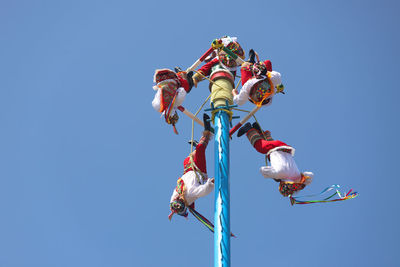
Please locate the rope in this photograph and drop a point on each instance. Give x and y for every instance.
(211, 81)
(194, 167)
(243, 110)
(237, 85)
(202, 105)
(229, 112)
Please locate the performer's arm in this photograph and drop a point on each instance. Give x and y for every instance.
(205, 70)
(204, 189)
(243, 96)
(174, 196)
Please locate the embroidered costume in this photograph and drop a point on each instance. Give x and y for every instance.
(283, 168)
(259, 83)
(171, 90)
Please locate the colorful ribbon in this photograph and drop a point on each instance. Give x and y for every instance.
(167, 113)
(330, 198)
(203, 220)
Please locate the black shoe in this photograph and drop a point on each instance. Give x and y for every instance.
(244, 129)
(206, 120)
(190, 80)
(195, 143)
(257, 127)
(252, 56)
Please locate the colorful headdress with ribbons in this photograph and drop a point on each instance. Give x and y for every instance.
(178, 207)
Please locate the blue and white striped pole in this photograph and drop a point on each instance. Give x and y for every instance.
(222, 232)
(222, 99)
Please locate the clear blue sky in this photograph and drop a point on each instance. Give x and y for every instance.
(87, 166)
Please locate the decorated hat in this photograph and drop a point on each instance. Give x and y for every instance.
(164, 74)
(233, 45)
(260, 91)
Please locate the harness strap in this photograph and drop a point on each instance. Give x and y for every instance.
(180, 189)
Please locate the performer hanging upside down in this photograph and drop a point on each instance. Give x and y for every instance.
(283, 168)
(171, 90)
(194, 183)
(259, 82)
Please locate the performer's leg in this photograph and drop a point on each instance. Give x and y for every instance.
(252, 134)
(265, 134)
(261, 141)
(263, 146)
(199, 156)
(254, 137)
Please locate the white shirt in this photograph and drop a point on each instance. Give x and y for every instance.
(283, 167)
(193, 188)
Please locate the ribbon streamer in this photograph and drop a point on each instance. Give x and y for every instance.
(341, 196)
(203, 220)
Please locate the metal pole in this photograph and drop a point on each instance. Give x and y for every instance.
(222, 232)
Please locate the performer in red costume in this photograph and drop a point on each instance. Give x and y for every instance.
(169, 83)
(259, 82)
(171, 88)
(194, 183)
(283, 168)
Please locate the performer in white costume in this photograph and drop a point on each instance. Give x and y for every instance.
(283, 168)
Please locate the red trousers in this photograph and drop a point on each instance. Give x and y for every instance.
(199, 158)
(264, 146)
